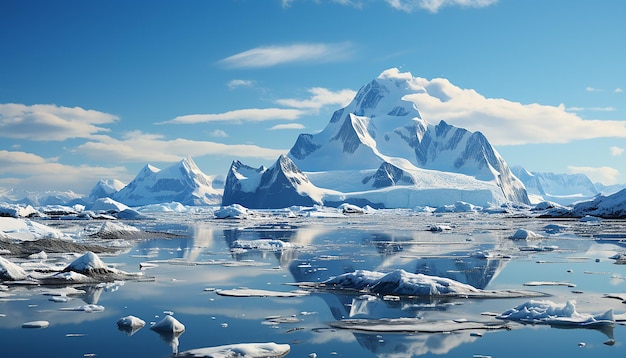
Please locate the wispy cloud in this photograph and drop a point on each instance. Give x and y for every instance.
(286, 126)
(616, 151)
(234, 84)
(44, 122)
(218, 133)
(22, 170)
(618, 90)
(268, 56)
(591, 109)
(593, 89)
(505, 122)
(239, 116)
(604, 175)
(434, 6)
(138, 146)
(321, 97)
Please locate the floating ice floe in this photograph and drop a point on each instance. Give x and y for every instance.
(244, 350)
(350, 209)
(402, 283)
(36, 324)
(262, 244)
(234, 211)
(549, 283)
(523, 234)
(246, 292)
(548, 312)
(416, 325)
(84, 308)
(27, 230)
(10, 271)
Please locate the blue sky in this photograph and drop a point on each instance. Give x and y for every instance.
(97, 89)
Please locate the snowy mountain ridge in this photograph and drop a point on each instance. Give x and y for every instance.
(182, 182)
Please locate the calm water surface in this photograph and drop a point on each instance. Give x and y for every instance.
(189, 268)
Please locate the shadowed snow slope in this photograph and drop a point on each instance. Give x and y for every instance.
(378, 151)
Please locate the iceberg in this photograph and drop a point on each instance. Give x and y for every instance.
(548, 312)
(402, 283)
(10, 271)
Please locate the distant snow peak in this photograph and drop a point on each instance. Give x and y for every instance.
(182, 182)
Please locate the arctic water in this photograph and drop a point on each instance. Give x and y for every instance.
(185, 271)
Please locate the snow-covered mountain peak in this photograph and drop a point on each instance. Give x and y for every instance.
(183, 182)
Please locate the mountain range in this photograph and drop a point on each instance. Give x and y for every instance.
(376, 151)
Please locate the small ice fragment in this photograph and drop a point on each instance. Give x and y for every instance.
(313, 355)
(476, 334)
(168, 324)
(168, 313)
(36, 324)
(581, 344)
(224, 325)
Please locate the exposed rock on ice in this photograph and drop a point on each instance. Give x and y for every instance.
(548, 312)
(10, 271)
(244, 350)
(168, 324)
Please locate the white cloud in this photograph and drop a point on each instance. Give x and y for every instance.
(286, 126)
(218, 133)
(22, 170)
(604, 175)
(145, 147)
(234, 84)
(505, 122)
(618, 90)
(320, 97)
(43, 122)
(435, 5)
(277, 55)
(616, 151)
(239, 115)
